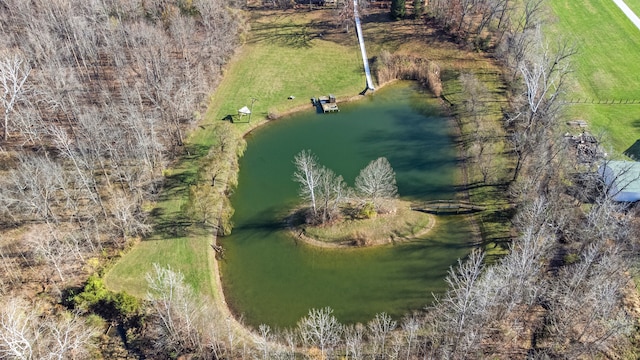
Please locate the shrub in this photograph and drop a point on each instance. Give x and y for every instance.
(389, 67)
(571, 258)
(93, 293)
(368, 211)
(96, 298)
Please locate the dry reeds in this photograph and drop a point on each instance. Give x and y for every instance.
(388, 67)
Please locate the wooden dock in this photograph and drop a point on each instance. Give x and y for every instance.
(326, 103)
(447, 207)
(329, 107)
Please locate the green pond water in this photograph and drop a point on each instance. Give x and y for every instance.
(270, 278)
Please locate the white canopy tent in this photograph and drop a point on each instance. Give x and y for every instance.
(244, 111)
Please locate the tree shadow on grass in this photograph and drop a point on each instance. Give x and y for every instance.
(195, 151)
(168, 218)
(496, 234)
(175, 186)
(171, 228)
(289, 35)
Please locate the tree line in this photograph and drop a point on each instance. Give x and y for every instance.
(97, 97)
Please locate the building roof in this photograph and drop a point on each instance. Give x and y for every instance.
(622, 179)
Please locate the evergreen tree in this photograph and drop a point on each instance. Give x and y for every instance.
(418, 8)
(398, 9)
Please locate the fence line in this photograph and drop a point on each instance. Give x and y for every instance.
(603, 102)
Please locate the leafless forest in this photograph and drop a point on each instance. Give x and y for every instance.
(97, 97)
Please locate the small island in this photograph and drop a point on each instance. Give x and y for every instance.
(393, 227)
(368, 214)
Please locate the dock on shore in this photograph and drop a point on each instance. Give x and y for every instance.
(326, 103)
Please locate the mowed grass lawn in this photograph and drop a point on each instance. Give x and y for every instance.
(287, 55)
(171, 243)
(606, 66)
(284, 56)
(634, 5)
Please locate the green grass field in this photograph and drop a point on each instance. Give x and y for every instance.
(606, 67)
(633, 5)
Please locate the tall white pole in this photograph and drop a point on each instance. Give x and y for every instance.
(365, 59)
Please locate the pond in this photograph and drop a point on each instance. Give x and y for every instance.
(269, 277)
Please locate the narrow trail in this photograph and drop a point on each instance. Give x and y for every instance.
(627, 11)
(365, 59)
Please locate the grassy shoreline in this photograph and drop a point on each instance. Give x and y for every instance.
(404, 224)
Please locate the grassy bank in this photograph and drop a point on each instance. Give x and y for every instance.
(605, 66)
(401, 225)
(483, 149)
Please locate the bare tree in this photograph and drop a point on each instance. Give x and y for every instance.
(482, 137)
(521, 273)
(18, 332)
(345, 14)
(69, 337)
(263, 341)
(50, 246)
(308, 173)
(380, 328)
(320, 329)
(355, 341)
(99, 91)
(410, 326)
(180, 323)
(518, 33)
(459, 313)
(127, 216)
(586, 316)
(544, 74)
(289, 349)
(26, 332)
(463, 18)
(332, 190)
(14, 71)
(473, 92)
